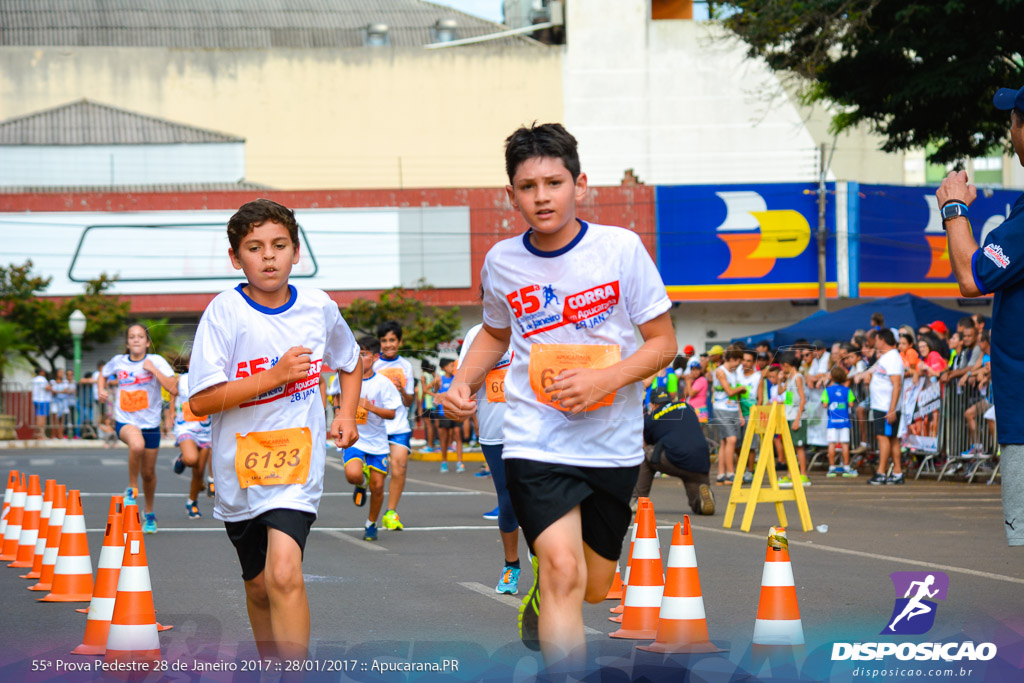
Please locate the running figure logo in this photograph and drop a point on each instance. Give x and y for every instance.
(549, 296)
(914, 612)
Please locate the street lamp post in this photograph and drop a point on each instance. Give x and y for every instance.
(76, 323)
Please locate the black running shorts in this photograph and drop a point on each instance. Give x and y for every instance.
(250, 536)
(542, 493)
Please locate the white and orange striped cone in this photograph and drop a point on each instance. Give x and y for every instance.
(44, 529)
(133, 522)
(133, 635)
(101, 607)
(116, 507)
(778, 628)
(616, 592)
(619, 608)
(29, 525)
(682, 624)
(53, 534)
(12, 534)
(646, 582)
(72, 575)
(12, 479)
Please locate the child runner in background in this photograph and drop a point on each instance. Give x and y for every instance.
(490, 410)
(366, 461)
(255, 369)
(59, 404)
(139, 376)
(426, 389)
(838, 399)
(41, 398)
(194, 438)
(399, 371)
(450, 429)
(567, 295)
(791, 390)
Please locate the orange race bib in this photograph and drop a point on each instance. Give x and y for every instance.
(133, 401)
(396, 375)
(547, 361)
(273, 458)
(186, 412)
(361, 414)
(495, 383)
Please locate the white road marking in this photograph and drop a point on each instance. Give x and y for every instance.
(365, 545)
(111, 462)
(443, 486)
(510, 600)
(41, 462)
(873, 556)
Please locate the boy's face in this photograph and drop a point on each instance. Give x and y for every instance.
(136, 341)
(748, 362)
(544, 192)
(449, 368)
(389, 344)
(266, 256)
(369, 358)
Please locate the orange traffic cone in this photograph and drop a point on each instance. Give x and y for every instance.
(133, 522)
(621, 607)
(12, 534)
(133, 635)
(72, 575)
(615, 592)
(682, 626)
(101, 608)
(646, 582)
(29, 525)
(53, 534)
(116, 507)
(12, 479)
(778, 615)
(44, 528)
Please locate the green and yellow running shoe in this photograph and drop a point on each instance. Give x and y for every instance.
(392, 522)
(529, 612)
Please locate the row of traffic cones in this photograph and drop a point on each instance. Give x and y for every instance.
(669, 608)
(45, 532)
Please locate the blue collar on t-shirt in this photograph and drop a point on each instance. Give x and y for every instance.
(264, 309)
(557, 252)
(366, 379)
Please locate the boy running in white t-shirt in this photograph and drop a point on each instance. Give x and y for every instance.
(193, 436)
(366, 461)
(399, 371)
(566, 294)
(255, 369)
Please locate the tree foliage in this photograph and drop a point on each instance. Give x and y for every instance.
(921, 74)
(164, 340)
(44, 321)
(424, 327)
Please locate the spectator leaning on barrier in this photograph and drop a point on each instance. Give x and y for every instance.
(997, 268)
(970, 354)
(819, 364)
(886, 390)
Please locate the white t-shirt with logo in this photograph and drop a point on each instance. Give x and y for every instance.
(888, 366)
(490, 416)
(720, 399)
(142, 410)
(40, 389)
(399, 370)
(201, 428)
(373, 436)
(593, 291)
(238, 337)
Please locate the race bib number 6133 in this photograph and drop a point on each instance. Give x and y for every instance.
(273, 458)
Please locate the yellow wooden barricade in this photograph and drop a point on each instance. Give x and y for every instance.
(769, 422)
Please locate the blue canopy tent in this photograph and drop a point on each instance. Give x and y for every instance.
(904, 309)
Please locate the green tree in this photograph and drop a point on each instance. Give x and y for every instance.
(921, 74)
(12, 349)
(44, 320)
(423, 327)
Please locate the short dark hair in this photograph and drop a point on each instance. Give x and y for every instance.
(788, 358)
(389, 326)
(877, 319)
(256, 213)
(368, 343)
(1017, 115)
(732, 353)
(886, 335)
(445, 362)
(838, 374)
(978, 318)
(966, 322)
(986, 335)
(545, 140)
(426, 365)
(750, 352)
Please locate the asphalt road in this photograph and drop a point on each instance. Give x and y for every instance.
(426, 594)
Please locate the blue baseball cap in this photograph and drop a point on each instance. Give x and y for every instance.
(1008, 98)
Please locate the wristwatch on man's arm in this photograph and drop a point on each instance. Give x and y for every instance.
(952, 209)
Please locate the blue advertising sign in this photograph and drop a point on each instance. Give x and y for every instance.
(902, 244)
(743, 241)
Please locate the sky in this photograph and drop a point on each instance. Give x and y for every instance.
(486, 9)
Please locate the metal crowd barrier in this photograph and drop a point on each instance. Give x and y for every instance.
(80, 420)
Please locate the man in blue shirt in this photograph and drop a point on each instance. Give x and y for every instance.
(997, 267)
